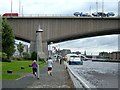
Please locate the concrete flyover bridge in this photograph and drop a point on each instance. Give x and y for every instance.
(62, 28)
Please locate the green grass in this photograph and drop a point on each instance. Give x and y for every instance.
(15, 66)
(10, 76)
(0, 70)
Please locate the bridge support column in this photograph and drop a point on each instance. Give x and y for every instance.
(44, 45)
(32, 46)
(45, 49)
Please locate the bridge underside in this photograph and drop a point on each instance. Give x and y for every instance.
(58, 29)
(22, 39)
(93, 34)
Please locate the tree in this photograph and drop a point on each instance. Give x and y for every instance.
(8, 39)
(20, 48)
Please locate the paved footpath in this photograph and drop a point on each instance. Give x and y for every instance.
(59, 78)
(20, 83)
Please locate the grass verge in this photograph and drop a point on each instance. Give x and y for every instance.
(15, 66)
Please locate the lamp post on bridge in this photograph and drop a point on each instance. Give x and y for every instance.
(38, 48)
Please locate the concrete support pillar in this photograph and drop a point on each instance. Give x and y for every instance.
(39, 44)
(44, 48)
(32, 46)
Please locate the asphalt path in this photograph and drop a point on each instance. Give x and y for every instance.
(20, 83)
(59, 79)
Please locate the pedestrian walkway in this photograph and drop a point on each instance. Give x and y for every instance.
(59, 79)
(19, 83)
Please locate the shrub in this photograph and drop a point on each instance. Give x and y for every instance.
(26, 55)
(42, 60)
(4, 57)
(34, 56)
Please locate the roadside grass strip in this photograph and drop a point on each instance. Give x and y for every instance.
(0, 70)
(15, 67)
(10, 76)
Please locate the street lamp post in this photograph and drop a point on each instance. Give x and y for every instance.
(51, 48)
(97, 7)
(102, 8)
(39, 50)
(11, 8)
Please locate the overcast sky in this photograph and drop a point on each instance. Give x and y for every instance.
(66, 7)
(92, 45)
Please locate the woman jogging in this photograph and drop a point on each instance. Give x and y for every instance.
(34, 67)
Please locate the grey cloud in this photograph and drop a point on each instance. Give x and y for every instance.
(104, 41)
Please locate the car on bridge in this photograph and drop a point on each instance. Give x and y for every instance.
(110, 14)
(10, 15)
(73, 59)
(81, 14)
(76, 14)
(101, 14)
(83, 58)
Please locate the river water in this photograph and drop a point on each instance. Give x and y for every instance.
(99, 74)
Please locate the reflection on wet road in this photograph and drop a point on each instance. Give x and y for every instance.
(100, 74)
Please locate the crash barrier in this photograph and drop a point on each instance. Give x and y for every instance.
(82, 82)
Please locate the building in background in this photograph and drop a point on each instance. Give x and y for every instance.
(77, 52)
(64, 52)
(115, 55)
(111, 56)
(26, 49)
(17, 54)
(104, 55)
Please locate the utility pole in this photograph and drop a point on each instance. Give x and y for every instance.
(22, 10)
(97, 7)
(11, 7)
(102, 8)
(90, 10)
(119, 9)
(19, 6)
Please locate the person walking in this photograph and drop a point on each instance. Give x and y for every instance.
(50, 65)
(34, 68)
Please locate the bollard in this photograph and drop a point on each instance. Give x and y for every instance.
(30, 65)
(22, 68)
(9, 71)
